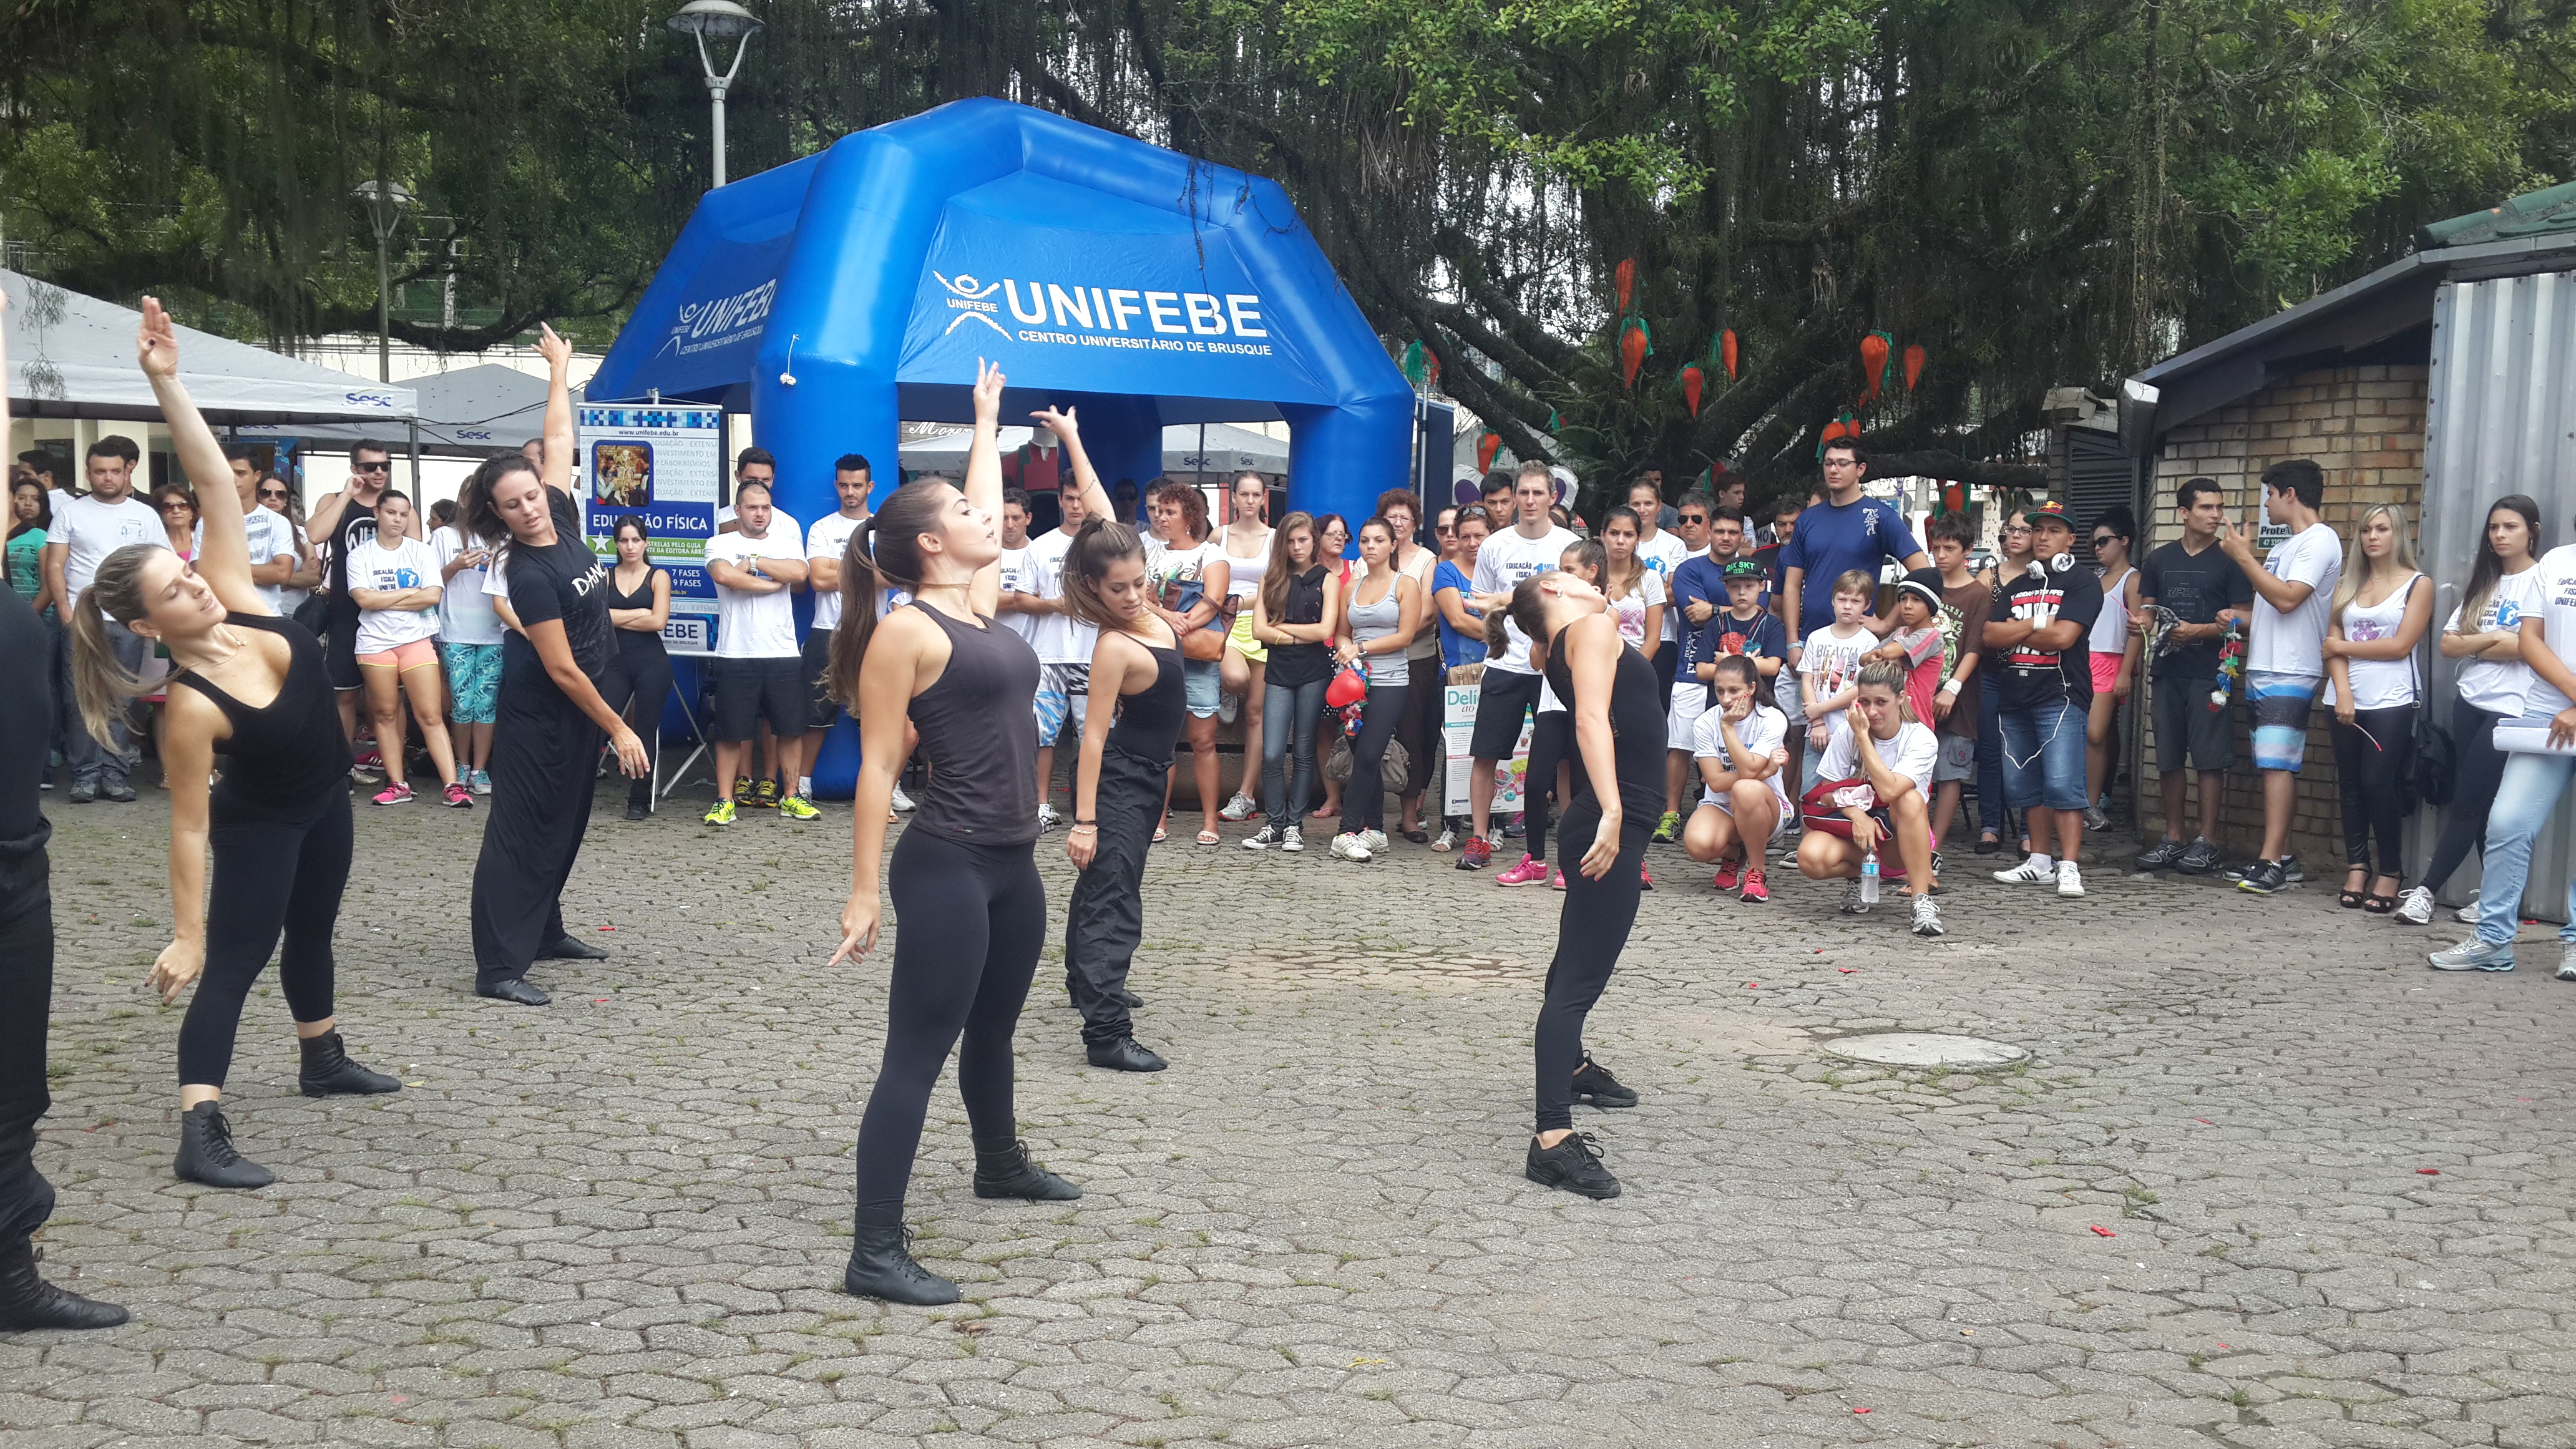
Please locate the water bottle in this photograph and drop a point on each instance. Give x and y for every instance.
(1869, 879)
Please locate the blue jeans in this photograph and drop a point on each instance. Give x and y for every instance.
(1992, 814)
(2532, 785)
(2044, 756)
(1289, 713)
(91, 762)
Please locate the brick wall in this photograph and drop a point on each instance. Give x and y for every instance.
(2365, 427)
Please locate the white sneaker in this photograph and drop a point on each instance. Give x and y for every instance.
(1228, 706)
(2415, 906)
(1047, 818)
(1238, 809)
(1853, 905)
(902, 801)
(1927, 917)
(2567, 965)
(2467, 915)
(1350, 847)
(2070, 881)
(1446, 841)
(2038, 870)
(1375, 840)
(1291, 842)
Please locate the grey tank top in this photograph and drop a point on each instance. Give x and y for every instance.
(975, 737)
(1376, 621)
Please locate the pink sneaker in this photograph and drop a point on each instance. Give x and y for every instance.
(1528, 872)
(396, 793)
(1728, 874)
(460, 798)
(1756, 890)
(1645, 878)
(1559, 882)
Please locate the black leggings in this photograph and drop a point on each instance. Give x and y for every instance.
(545, 759)
(969, 920)
(270, 875)
(2371, 756)
(1590, 934)
(1667, 659)
(1106, 917)
(642, 676)
(1364, 795)
(26, 1005)
(1420, 729)
(2473, 792)
(1288, 716)
(1550, 737)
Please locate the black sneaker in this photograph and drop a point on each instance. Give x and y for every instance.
(2200, 858)
(2163, 855)
(1573, 1164)
(1594, 1084)
(2263, 877)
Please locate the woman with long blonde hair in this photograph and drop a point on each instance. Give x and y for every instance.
(2382, 607)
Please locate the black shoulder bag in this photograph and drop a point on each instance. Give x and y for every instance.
(2437, 761)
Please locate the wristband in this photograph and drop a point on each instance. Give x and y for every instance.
(1082, 824)
(1950, 687)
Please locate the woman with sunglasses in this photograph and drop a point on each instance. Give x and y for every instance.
(2115, 657)
(178, 509)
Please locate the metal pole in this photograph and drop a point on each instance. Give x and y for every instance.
(716, 93)
(384, 302)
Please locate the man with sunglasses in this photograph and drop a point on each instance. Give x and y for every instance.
(343, 522)
(272, 538)
(1697, 589)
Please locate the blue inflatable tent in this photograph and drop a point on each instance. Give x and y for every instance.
(837, 296)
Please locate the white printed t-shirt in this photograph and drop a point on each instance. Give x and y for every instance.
(753, 625)
(1765, 732)
(2553, 592)
(2294, 643)
(90, 530)
(1060, 638)
(1910, 754)
(1019, 577)
(408, 564)
(1505, 560)
(464, 610)
(2498, 686)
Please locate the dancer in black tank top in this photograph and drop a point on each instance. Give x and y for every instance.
(1118, 789)
(1610, 691)
(964, 880)
(251, 687)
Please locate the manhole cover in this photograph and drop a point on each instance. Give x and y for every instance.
(1927, 1049)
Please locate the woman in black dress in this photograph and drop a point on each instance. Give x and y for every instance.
(964, 879)
(251, 687)
(1610, 690)
(639, 604)
(550, 718)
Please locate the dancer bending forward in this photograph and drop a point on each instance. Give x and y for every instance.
(964, 879)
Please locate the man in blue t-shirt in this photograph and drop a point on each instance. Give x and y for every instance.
(1843, 533)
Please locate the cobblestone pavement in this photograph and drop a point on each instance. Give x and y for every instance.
(2205, 1212)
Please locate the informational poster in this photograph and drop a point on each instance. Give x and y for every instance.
(663, 465)
(1457, 730)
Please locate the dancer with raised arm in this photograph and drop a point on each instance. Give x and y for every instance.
(1618, 794)
(252, 687)
(964, 879)
(550, 719)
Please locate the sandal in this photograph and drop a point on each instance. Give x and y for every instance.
(2380, 905)
(1161, 835)
(1209, 837)
(2351, 896)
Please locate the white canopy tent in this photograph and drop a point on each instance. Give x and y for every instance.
(471, 412)
(72, 356)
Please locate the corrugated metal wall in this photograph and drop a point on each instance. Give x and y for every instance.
(2501, 419)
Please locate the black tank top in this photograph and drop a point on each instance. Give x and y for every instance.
(975, 736)
(1636, 731)
(1295, 664)
(1149, 720)
(285, 757)
(632, 642)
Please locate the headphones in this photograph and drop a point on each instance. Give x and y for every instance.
(2058, 565)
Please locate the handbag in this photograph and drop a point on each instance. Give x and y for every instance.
(2433, 776)
(1204, 645)
(1392, 767)
(1821, 808)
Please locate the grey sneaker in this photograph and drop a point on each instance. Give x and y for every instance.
(2474, 954)
(2415, 906)
(2262, 878)
(1048, 819)
(2096, 818)
(1238, 809)
(2199, 858)
(2163, 855)
(1853, 905)
(2289, 865)
(2567, 965)
(2467, 915)
(1927, 917)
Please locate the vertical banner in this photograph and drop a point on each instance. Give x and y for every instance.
(662, 465)
(1457, 731)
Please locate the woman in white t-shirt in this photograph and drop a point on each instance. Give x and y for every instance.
(2382, 607)
(1241, 672)
(2485, 634)
(1872, 791)
(469, 645)
(396, 588)
(1636, 592)
(1191, 580)
(1742, 748)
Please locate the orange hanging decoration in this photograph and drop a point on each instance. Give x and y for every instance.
(1693, 380)
(1873, 364)
(1431, 361)
(1726, 345)
(1954, 495)
(1626, 278)
(1913, 365)
(1635, 346)
(1486, 447)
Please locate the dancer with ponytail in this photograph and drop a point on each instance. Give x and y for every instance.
(1137, 681)
(1618, 795)
(964, 880)
(550, 718)
(252, 687)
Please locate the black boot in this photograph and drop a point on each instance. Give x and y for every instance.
(27, 1301)
(1011, 1173)
(571, 948)
(881, 1267)
(328, 1071)
(206, 1151)
(1124, 1055)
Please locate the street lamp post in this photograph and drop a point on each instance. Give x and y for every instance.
(385, 201)
(722, 19)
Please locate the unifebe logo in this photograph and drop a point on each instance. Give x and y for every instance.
(971, 303)
(706, 326)
(1075, 314)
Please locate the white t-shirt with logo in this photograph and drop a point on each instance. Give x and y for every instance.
(753, 625)
(2553, 592)
(1060, 638)
(1019, 576)
(408, 564)
(1765, 732)
(2294, 643)
(828, 538)
(90, 530)
(464, 610)
(270, 538)
(1506, 559)
(2498, 686)
(1832, 665)
(1910, 754)
(1664, 553)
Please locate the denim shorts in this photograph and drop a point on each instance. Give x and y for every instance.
(1202, 680)
(2044, 756)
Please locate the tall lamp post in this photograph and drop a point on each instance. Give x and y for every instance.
(722, 19)
(385, 201)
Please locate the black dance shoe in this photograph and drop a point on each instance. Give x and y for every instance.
(1595, 1085)
(570, 948)
(1012, 1173)
(328, 1071)
(206, 1151)
(638, 810)
(881, 1266)
(27, 1301)
(1129, 999)
(1573, 1164)
(1124, 1055)
(515, 989)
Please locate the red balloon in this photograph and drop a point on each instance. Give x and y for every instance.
(1348, 688)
